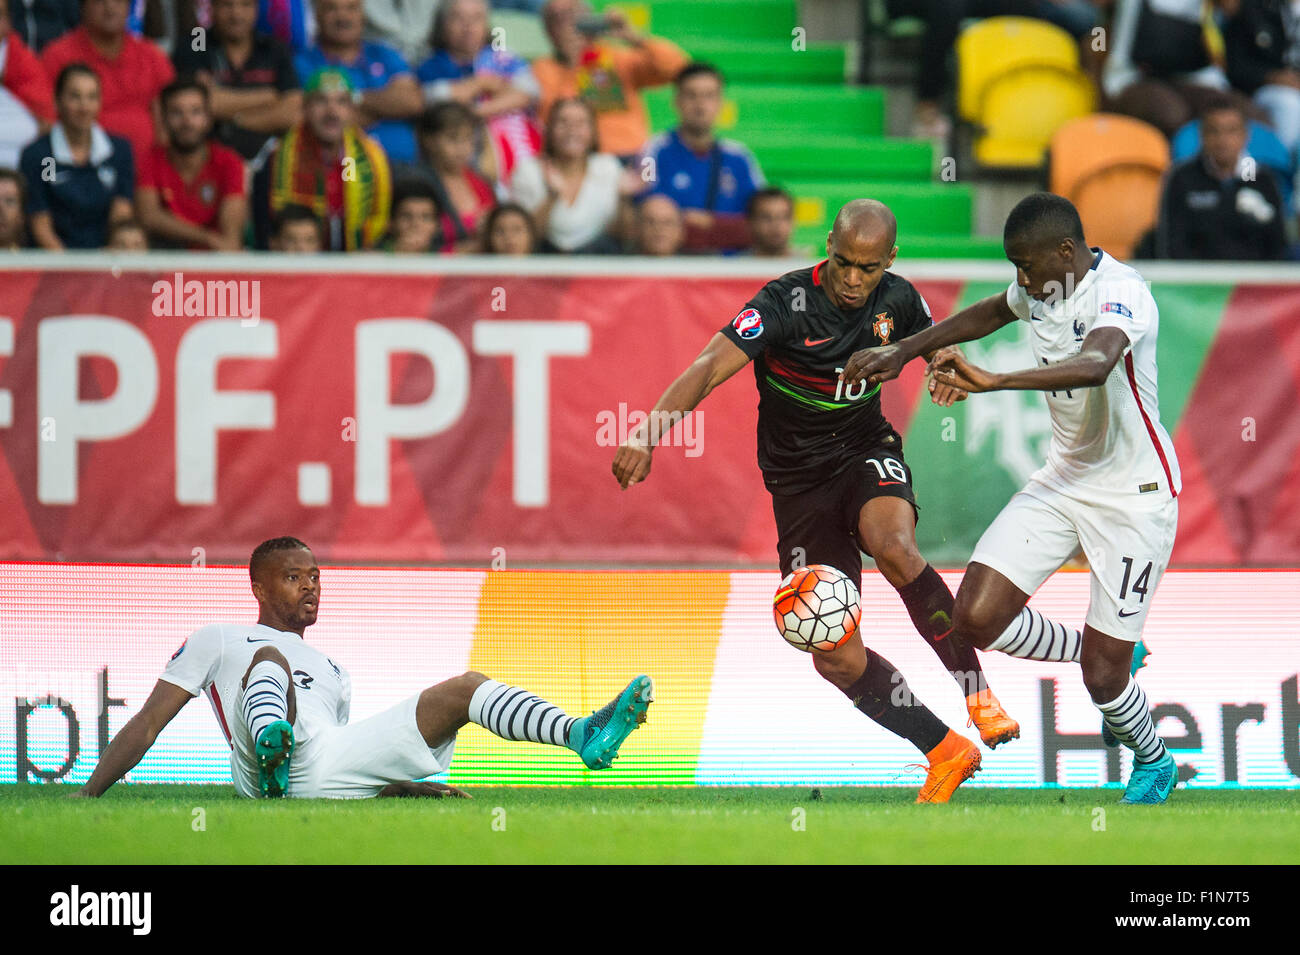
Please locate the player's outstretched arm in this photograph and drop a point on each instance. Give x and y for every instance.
(1100, 351)
(720, 359)
(881, 364)
(134, 739)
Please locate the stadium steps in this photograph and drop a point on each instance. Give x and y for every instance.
(785, 108)
(820, 138)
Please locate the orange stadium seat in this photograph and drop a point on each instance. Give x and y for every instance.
(1018, 81)
(1110, 167)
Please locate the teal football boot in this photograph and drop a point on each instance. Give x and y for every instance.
(1151, 783)
(596, 738)
(274, 751)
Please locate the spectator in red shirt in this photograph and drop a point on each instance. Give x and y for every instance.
(191, 192)
(131, 71)
(26, 100)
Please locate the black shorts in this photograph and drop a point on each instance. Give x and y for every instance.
(819, 526)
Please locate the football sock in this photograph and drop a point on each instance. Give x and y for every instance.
(1129, 718)
(266, 696)
(516, 714)
(929, 603)
(1032, 636)
(882, 694)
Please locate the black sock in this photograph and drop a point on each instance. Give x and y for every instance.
(882, 694)
(929, 603)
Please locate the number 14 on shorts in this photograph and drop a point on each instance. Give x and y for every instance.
(1138, 585)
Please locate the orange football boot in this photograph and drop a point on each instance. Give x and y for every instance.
(988, 716)
(952, 762)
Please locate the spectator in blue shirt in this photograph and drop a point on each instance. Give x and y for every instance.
(387, 96)
(79, 178)
(710, 179)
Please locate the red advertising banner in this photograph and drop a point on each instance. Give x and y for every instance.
(391, 417)
(158, 414)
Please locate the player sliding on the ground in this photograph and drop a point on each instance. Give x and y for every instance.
(835, 469)
(1111, 481)
(283, 705)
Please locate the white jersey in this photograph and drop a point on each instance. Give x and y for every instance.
(215, 658)
(1108, 445)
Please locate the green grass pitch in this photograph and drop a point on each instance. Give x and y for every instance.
(158, 824)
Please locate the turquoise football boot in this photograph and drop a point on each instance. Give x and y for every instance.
(1151, 783)
(274, 751)
(1140, 654)
(596, 738)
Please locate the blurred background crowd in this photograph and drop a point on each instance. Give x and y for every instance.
(457, 126)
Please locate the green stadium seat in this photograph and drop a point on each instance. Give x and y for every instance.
(759, 61)
(787, 109)
(811, 156)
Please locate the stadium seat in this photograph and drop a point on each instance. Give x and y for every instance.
(784, 108)
(1110, 167)
(1018, 81)
(1262, 144)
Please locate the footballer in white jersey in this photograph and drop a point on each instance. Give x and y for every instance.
(284, 707)
(1110, 483)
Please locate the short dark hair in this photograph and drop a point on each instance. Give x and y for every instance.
(406, 189)
(185, 84)
(698, 68)
(71, 70)
(1043, 217)
(444, 116)
(121, 225)
(263, 551)
(1222, 103)
(762, 195)
(294, 212)
(508, 208)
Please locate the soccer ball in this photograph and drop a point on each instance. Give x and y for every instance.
(816, 608)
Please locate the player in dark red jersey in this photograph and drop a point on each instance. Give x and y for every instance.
(835, 468)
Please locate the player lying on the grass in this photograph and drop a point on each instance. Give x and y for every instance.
(1111, 481)
(283, 705)
(835, 468)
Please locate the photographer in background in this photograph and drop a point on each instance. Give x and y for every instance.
(608, 75)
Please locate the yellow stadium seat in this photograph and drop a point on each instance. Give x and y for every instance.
(1110, 167)
(1018, 81)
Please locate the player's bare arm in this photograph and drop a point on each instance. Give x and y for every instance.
(881, 364)
(136, 737)
(720, 360)
(1088, 369)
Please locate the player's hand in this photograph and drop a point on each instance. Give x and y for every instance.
(949, 367)
(873, 364)
(631, 463)
(945, 395)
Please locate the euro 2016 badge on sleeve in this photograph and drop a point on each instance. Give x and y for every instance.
(748, 324)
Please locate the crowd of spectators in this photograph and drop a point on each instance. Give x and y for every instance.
(404, 126)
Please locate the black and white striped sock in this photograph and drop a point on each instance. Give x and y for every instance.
(1129, 718)
(516, 714)
(266, 696)
(1032, 636)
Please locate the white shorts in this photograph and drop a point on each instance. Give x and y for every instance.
(356, 760)
(1127, 549)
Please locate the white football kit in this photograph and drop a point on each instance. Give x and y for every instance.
(332, 758)
(1111, 481)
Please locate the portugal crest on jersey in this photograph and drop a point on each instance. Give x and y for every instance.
(883, 326)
